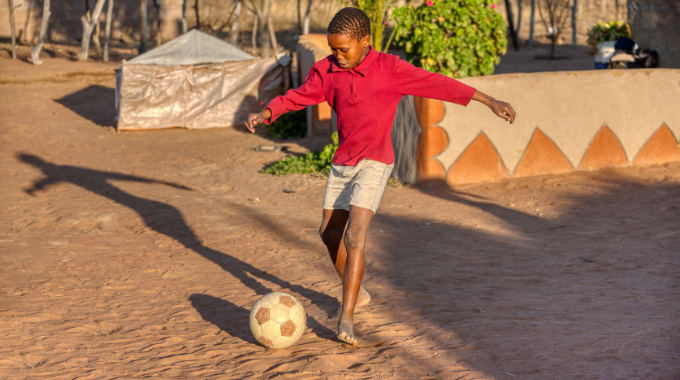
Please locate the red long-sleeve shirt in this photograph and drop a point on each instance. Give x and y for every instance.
(365, 99)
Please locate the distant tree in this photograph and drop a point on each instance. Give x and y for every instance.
(12, 28)
(157, 7)
(88, 27)
(531, 23)
(262, 10)
(142, 45)
(305, 26)
(35, 50)
(235, 23)
(554, 15)
(107, 30)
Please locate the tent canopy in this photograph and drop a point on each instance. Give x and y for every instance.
(196, 81)
(192, 48)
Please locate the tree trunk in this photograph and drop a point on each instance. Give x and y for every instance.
(88, 26)
(158, 22)
(272, 35)
(184, 16)
(519, 16)
(573, 22)
(254, 34)
(12, 29)
(235, 24)
(513, 34)
(198, 19)
(107, 30)
(531, 25)
(305, 27)
(95, 37)
(35, 51)
(299, 14)
(262, 10)
(142, 46)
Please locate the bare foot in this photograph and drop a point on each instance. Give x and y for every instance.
(363, 299)
(346, 331)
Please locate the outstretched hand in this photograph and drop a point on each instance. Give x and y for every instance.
(501, 109)
(255, 119)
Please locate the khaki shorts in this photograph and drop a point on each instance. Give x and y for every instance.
(361, 185)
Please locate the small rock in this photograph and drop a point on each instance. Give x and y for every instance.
(288, 191)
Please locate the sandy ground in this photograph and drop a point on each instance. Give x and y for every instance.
(139, 255)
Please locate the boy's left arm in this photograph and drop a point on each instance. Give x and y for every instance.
(416, 81)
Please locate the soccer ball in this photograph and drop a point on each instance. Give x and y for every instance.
(277, 320)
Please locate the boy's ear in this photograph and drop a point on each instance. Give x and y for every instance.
(365, 41)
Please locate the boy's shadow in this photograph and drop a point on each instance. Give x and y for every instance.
(168, 221)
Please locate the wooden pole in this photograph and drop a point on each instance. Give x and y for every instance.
(35, 50)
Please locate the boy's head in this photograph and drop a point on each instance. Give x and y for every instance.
(348, 36)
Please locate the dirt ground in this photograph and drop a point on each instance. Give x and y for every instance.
(139, 255)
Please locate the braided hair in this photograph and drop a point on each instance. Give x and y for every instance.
(351, 22)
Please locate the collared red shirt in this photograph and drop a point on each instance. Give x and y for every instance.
(365, 99)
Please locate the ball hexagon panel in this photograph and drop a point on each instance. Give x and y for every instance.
(262, 315)
(287, 300)
(277, 320)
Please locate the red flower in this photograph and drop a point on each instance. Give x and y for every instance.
(429, 3)
(493, 6)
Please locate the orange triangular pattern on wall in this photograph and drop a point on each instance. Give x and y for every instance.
(542, 156)
(604, 151)
(478, 163)
(661, 147)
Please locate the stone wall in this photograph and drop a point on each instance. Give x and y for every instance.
(656, 25)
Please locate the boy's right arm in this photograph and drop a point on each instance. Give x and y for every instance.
(310, 93)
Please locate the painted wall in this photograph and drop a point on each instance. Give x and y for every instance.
(566, 121)
(312, 48)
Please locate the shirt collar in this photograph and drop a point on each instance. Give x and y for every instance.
(363, 67)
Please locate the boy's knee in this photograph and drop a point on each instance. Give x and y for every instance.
(352, 238)
(330, 237)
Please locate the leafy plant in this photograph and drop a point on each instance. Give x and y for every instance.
(377, 13)
(315, 162)
(606, 31)
(291, 125)
(457, 38)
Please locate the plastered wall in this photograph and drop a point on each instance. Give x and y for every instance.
(566, 121)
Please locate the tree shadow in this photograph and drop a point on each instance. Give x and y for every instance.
(167, 220)
(95, 103)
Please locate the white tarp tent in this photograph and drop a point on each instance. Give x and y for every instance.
(196, 81)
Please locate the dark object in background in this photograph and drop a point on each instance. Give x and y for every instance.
(629, 56)
(292, 125)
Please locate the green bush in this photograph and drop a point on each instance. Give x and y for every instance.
(606, 31)
(457, 38)
(291, 125)
(315, 162)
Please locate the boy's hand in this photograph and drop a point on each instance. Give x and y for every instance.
(256, 119)
(501, 109)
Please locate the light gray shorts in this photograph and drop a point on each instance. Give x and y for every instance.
(361, 185)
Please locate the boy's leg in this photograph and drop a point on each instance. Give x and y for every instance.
(355, 243)
(332, 233)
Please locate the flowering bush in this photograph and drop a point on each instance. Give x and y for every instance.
(457, 38)
(606, 31)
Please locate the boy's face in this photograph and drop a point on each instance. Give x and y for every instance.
(348, 51)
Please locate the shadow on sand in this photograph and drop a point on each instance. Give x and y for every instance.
(168, 220)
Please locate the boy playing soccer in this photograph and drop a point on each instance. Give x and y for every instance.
(364, 88)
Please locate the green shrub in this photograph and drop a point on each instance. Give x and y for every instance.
(291, 125)
(606, 31)
(315, 162)
(457, 38)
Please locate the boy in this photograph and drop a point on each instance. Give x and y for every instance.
(364, 88)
